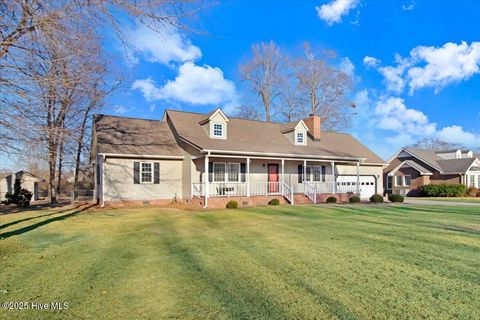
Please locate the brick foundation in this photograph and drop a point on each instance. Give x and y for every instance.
(341, 197)
(195, 203)
(221, 202)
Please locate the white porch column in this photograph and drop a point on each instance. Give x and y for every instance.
(304, 178)
(247, 178)
(334, 184)
(283, 175)
(206, 181)
(358, 178)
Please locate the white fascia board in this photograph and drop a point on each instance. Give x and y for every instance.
(140, 156)
(285, 155)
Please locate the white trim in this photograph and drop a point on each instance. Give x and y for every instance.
(140, 156)
(405, 150)
(222, 126)
(219, 110)
(297, 135)
(102, 201)
(297, 157)
(303, 124)
(392, 172)
(141, 172)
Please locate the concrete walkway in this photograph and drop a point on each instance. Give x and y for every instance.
(440, 202)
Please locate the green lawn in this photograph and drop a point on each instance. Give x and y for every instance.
(455, 199)
(325, 262)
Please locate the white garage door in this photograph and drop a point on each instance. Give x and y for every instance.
(367, 184)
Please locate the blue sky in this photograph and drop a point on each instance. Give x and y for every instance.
(416, 63)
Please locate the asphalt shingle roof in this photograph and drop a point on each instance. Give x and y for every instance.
(267, 137)
(432, 158)
(120, 135)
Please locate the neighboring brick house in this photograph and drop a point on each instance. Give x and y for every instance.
(411, 168)
(209, 159)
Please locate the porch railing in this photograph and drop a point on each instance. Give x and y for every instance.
(310, 190)
(287, 192)
(264, 188)
(220, 189)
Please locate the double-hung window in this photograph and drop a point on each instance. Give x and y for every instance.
(146, 172)
(315, 173)
(226, 172)
(219, 172)
(300, 138)
(407, 180)
(218, 130)
(398, 181)
(233, 172)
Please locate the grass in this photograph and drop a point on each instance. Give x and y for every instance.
(325, 262)
(453, 199)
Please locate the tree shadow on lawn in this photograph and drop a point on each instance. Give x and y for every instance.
(228, 289)
(3, 226)
(34, 226)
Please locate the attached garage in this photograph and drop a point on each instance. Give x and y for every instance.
(368, 184)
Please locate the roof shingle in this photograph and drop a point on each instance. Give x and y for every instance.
(267, 137)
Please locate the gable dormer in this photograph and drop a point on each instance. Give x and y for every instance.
(216, 124)
(450, 154)
(296, 133)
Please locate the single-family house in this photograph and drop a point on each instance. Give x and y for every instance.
(411, 168)
(28, 181)
(209, 159)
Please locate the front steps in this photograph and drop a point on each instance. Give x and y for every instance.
(300, 198)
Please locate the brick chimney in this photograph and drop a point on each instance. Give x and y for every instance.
(313, 125)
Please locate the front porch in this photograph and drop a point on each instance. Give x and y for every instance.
(239, 177)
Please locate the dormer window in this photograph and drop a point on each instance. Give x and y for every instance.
(300, 138)
(218, 130)
(215, 124)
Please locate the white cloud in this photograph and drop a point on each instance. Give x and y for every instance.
(409, 7)
(165, 45)
(371, 62)
(386, 124)
(434, 67)
(393, 114)
(199, 85)
(445, 65)
(332, 12)
(347, 67)
(456, 134)
(120, 109)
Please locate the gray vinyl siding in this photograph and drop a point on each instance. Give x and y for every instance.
(118, 180)
(186, 177)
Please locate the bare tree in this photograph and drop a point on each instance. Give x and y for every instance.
(264, 74)
(53, 73)
(19, 18)
(325, 86)
(436, 144)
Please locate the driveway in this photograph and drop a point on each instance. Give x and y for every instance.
(439, 202)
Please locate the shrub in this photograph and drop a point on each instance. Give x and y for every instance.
(395, 198)
(355, 199)
(20, 197)
(274, 202)
(232, 204)
(376, 198)
(443, 190)
(331, 200)
(472, 192)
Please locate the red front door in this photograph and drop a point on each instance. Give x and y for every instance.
(273, 186)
